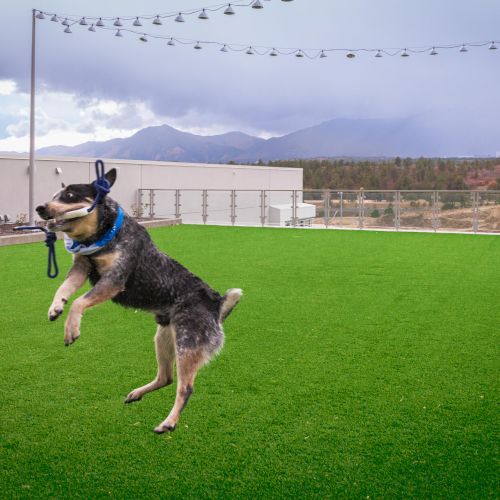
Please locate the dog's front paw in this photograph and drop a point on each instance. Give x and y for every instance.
(55, 310)
(72, 328)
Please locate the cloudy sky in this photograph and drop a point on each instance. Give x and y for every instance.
(95, 86)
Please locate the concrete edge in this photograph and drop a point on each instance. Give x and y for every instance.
(18, 239)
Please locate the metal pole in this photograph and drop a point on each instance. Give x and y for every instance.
(326, 208)
(263, 208)
(204, 206)
(341, 206)
(31, 204)
(233, 206)
(177, 203)
(151, 203)
(475, 211)
(294, 207)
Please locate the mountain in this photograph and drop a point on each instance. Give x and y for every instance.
(163, 143)
(412, 137)
(344, 137)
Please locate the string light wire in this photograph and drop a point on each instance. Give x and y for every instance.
(251, 49)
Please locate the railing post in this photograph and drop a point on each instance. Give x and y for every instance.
(263, 196)
(233, 206)
(294, 208)
(397, 214)
(177, 203)
(151, 203)
(475, 211)
(326, 197)
(139, 203)
(341, 208)
(204, 206)
(435, 210)
(361, 208)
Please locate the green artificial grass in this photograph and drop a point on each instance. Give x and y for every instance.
(357, 365)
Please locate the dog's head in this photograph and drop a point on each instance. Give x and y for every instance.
(70, 198)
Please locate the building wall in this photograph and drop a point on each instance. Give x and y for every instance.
(132, 175)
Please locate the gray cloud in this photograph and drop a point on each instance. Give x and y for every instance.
(277, 95)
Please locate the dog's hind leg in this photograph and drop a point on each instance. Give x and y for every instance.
(189, 361)
(165, 357)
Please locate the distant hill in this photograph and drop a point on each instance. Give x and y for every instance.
(334, 138)
(163, 143)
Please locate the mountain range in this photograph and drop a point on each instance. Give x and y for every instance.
(335, 138)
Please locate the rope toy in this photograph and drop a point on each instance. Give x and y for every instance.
(50, 240)
(102, 187)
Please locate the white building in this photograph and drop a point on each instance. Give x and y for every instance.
(146, 175)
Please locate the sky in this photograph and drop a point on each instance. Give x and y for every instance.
(95, 86)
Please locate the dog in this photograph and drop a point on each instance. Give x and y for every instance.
(122, 263)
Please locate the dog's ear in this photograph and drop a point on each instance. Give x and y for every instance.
(111, 176)
(63, 185)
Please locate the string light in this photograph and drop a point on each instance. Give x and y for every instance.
(157, 18)
(321, 53)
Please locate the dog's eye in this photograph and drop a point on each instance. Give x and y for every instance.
(70, 196)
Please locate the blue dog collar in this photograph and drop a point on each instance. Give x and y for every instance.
(80, 249)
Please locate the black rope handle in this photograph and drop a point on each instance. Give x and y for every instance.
(50, 240)
(101, 184)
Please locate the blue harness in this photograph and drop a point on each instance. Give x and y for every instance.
(80, 249)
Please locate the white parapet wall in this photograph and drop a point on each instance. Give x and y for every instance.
(132, 176)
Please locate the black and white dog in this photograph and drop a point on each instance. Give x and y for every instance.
(118, 257)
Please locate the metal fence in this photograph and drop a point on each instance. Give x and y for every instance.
(463, 211)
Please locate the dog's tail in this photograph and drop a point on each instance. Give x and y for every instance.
(229, 302)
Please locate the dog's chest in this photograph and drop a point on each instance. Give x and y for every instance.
(103, 263)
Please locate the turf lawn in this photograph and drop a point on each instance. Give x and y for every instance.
(358, 364)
